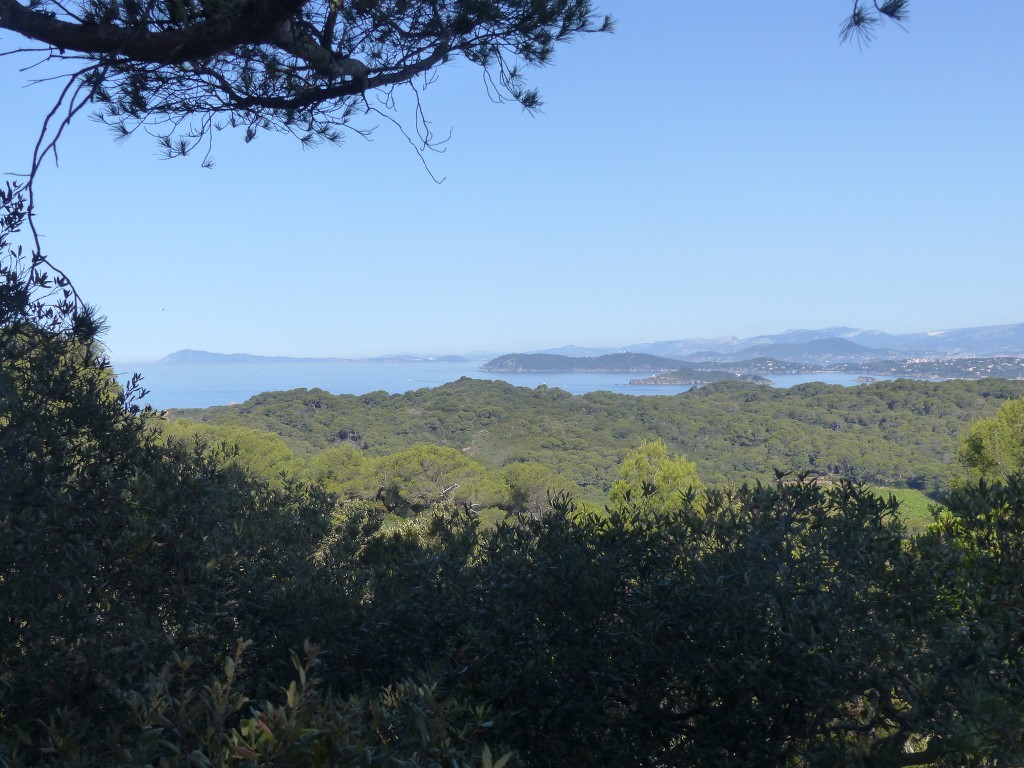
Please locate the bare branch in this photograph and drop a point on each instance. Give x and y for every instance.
(76, 94)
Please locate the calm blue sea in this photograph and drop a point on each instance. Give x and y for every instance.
(200, 386)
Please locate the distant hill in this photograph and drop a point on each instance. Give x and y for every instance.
(828, 353)
(766, 366)
(729, 345)
(837, 353)
(698, 378)
(571, 350)
(665, 370)
(977, 342)
(620, 362)
(824, 346)
(818, 351)
(982, 341)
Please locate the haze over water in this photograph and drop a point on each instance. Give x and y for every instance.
(201, 386)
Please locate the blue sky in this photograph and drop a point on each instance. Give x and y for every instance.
(708, 170)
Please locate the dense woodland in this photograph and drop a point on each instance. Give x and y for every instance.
(892, 434)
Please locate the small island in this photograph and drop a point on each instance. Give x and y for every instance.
(620, 362)
(663, 370)
(695, 378)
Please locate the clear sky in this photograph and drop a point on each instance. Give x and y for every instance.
(708, 170)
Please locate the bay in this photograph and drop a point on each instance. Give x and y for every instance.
(201, 386)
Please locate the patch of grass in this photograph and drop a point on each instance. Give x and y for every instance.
(915, 507)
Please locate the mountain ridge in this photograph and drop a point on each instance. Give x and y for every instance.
(972, 341)
(977, 341)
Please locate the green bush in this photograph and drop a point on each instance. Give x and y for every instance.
(130, 568)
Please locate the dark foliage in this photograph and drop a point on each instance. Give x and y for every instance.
(129, 571)
(184, 68)
(784, 625)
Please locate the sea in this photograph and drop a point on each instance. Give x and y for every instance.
(174, 385)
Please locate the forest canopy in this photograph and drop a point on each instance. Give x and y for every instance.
(889, 433)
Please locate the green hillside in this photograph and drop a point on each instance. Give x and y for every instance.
(893, 433)
(620, 362)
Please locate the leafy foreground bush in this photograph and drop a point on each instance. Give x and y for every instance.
(128, 571)
(161, 608)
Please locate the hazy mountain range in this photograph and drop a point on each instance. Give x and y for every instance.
(825, 345)
(840, 343)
